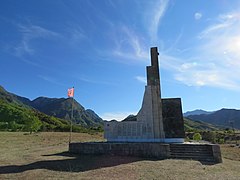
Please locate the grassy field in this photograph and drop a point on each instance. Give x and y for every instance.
(44, 156)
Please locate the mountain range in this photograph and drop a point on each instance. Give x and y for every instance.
(196, 112)
(55, 114)
(57, 107)
(223, 117)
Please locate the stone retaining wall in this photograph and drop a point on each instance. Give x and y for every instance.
(156, 150)
(201, 152)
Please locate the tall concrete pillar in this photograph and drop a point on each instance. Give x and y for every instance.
(151, 110)
(153, 80)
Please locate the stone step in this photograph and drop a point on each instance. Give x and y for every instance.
(197, 146)
(191, 154)
(195, 152)
(192, 157)
(189, 151)
(192, 147)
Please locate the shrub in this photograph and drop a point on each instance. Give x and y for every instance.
(197, 137)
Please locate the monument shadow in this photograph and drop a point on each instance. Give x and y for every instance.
(78, 163)
(74, 163)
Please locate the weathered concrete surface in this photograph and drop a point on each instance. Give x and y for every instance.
(173, 118)
(151, 150)
(217, 153)
(136, 129)
(148, 126)
(201, 152)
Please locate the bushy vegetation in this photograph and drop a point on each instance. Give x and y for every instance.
(209, 132)
(14, 117)
(17, 118)
(217, 136)
(197, 137)
(191, 126)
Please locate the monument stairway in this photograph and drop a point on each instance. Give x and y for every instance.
(199, 152)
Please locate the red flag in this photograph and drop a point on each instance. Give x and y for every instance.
(71, 92)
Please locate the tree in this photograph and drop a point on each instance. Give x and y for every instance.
(197, 137)
(32, 124)
(209, 136)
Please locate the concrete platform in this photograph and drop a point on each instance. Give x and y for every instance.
(156, 150)
(202, 152)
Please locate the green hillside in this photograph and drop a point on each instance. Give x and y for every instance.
(190, 125)
(52, 114)
(14, 117)
(62, 108)
(57, 107)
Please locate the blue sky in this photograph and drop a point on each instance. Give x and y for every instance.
(101, 47)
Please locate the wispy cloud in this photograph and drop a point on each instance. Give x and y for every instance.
(29, 33)
(214, 62)
(76, 34)
(51, 80)
(116, 115)
(88, 80)
(141, 79)
(173, 45)
(129, 45)
(213, 29)
(194, 74)
(134, 46)
(157, 14)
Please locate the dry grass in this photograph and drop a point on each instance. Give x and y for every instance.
(43, 156)
(230, 151)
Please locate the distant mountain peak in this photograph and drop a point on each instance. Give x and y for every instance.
(58, 107)
(196, 112)
(221, 117)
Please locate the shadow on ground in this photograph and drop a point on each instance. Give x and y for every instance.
(74, 163)
(71, 163)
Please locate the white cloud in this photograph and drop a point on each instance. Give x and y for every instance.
(29, 33)
(141, 79)
(213, 29)
(215, 62)
(193, 74)
(157, 14)
(198, 15)
(221, 41)
(116, 115)
(129, 45)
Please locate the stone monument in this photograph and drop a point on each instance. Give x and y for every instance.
(157, 117)
(157, 131)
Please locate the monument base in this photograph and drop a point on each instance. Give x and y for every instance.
(147, 149)
(202, 152)
(165, 140)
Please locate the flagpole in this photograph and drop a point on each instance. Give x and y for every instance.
(71, 126)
